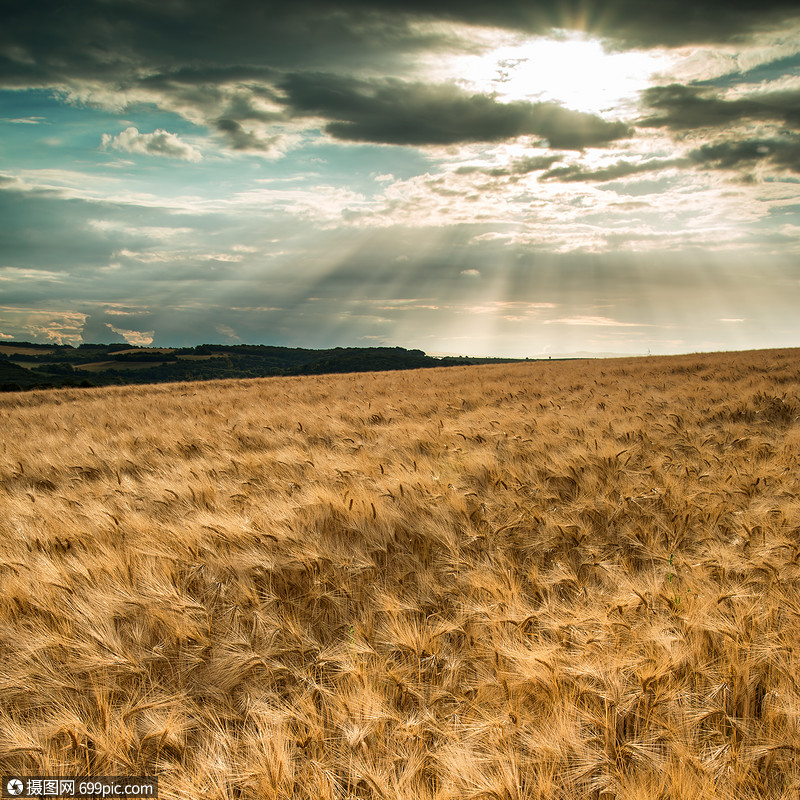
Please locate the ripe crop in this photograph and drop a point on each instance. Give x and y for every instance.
(537, 580)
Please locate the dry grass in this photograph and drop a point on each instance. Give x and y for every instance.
(522, 581)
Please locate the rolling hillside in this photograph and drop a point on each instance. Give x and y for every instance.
(24, 365)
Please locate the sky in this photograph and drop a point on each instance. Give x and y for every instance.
(493, 179)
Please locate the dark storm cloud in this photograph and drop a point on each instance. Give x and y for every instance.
(394, 112)
(209, 89)
(621, 169)
(222, 60)
(520, 166)
(732, 155)
(239, 138)
(781, 152)
(86, 34)
(216, 61)
(523, 166)
(229, 99)
(682, 107)
(207, 75)
(49, 41)
(658, 22)
(694, 107)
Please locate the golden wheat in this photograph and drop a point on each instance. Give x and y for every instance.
(540, 580)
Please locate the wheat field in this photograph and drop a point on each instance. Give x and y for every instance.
(539, 580)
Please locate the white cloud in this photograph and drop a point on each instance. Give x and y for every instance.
(593, 321)
(158, 143)
(514, 307)
(152, 256)
(61, 327)
(228, 332)
(166, 256)
(23, 274)
(148, 231)
(324, 205)
(221, 257)
(693, 63)
(136, 338)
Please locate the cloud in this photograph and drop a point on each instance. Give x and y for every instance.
(390, 111)
(781, 152)
(25, 120)
(117, 227)
(511, 309)
(135, 338)
(43, 325)
(88, 37)
(689, 107)
(658, 22)
(727, 124)
(620, 169)
(13, 274)
(523, 166)
(158, 143)
(184, 254)
(519, 166)
(245, 72)
(228, 332)
(240, 138)
(601, 322)
(58, 45)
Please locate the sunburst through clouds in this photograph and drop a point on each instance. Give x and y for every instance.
(623, 179)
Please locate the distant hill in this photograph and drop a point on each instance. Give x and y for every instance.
(26, 365)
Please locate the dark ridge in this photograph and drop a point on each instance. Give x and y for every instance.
(55, 366)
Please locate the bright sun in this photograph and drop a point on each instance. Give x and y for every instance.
(574, 71)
